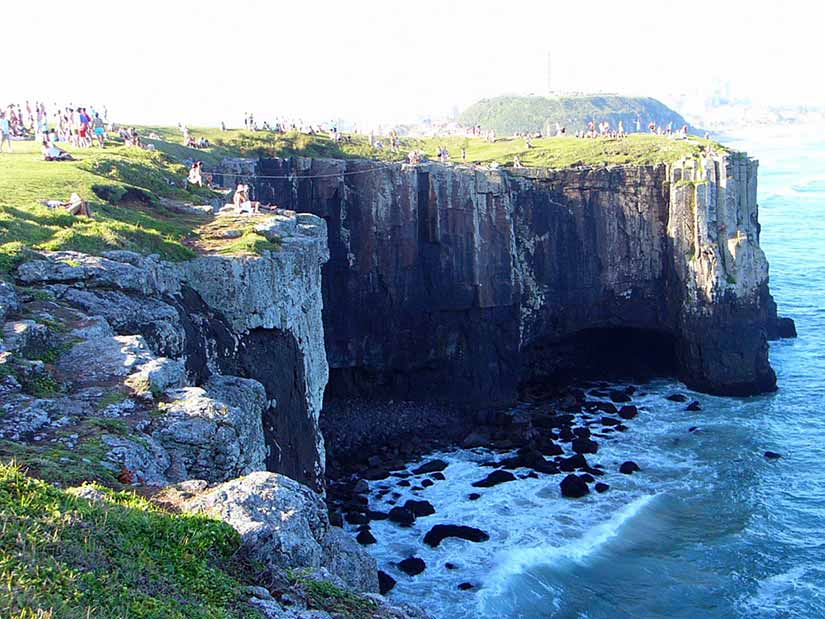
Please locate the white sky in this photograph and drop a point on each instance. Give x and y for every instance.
(204, 61)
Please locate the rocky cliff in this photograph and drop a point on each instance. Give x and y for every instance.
(463, 284)
(228, 353)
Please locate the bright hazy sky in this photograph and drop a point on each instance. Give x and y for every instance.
(204, 61)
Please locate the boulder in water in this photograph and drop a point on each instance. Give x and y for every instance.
(466, 586)
(619, 396)
(694, 406)
(495, 478)
(677, 397)
(772, 455)
(412, 566)
(402, 516)
(584, 446)
(629, 467)
(420, 508)
(628, 412)
(432, 466)
(601, 487)
(441, 531)
(474, 496)
(365, 538)
(573, 487)
(385, 583)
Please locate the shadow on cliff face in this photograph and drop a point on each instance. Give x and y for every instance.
(612, 353)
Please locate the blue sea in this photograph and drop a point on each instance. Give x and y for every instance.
(709, 528)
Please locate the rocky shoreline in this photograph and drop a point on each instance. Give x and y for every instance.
(555, 439)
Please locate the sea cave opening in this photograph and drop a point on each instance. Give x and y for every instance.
(602, 353)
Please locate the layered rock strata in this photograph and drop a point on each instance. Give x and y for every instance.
(464, 284)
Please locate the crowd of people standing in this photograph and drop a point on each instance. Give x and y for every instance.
(79, 125)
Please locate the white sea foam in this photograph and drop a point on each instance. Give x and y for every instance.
(518, 561)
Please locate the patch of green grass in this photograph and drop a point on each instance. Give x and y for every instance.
(41, 385)
(113, 397)
(70, 558)
(56, 463)
(323, 595)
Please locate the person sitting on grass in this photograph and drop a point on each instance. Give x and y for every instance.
(242, 202)
(75, 206)
(54, 153)
(194, 177)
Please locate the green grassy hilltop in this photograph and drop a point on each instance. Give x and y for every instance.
(127, 187)
(511, 114)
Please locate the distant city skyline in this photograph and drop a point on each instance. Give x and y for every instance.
(377, 62)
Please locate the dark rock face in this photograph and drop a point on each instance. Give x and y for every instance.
(574, 487)
(448, 283)
(442, 531)
(412, 566)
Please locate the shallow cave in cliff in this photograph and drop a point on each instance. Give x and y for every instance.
(608, 353)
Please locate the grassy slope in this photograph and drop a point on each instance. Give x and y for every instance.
(149, 228)
(510, 114)
(66, 557)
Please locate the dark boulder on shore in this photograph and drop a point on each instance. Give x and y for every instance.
(619, 396)
(584, 446)
(442, 531)
(433, 466)
(356, 518)
(365, 538)
(628, 412)
(420, 508)
(412, 566)
(629, 467)
(385, 583)
(402, 516)
(772, 455)
(573, 487)
(439, 476)
(495, 478)
(568, 465)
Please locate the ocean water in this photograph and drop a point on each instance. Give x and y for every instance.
(709, 528)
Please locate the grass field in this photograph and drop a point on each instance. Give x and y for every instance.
(62, 556)
(133, 180)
